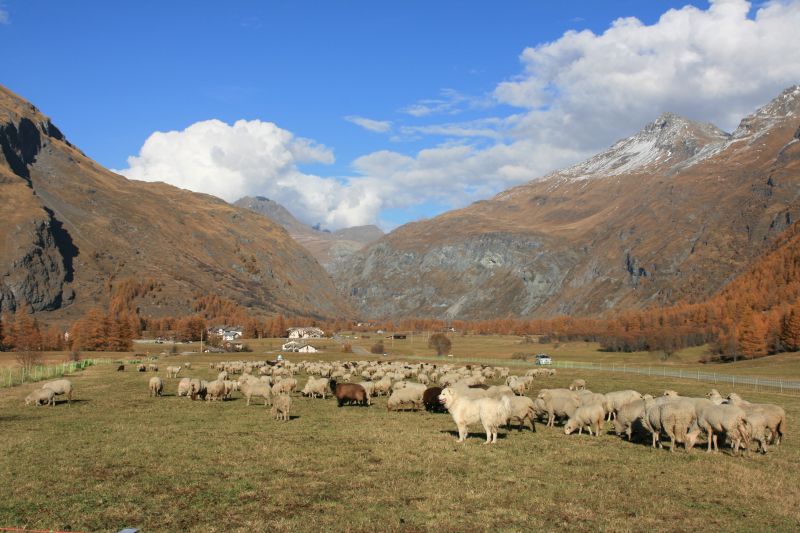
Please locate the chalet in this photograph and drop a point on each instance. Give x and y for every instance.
(228, 333)
(294, 346)
(305, 333)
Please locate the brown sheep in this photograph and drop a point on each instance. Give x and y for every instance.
(349, 393)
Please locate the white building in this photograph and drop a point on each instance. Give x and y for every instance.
(305, 333)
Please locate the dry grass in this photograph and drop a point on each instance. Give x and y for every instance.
(117, 457)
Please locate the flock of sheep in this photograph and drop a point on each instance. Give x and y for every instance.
(463, 392)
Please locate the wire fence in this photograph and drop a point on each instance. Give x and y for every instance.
(10, 377)
(748, 382)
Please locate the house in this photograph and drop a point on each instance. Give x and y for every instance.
(228, 333)
(305, 333)
(294, 346)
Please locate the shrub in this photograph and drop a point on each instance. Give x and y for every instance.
(521, 356)
(347, 348)
(27, 359)
(377, 348)
(544, 339)
(441, 343)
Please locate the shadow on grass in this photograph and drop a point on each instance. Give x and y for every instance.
(473, 435)
(74, 400)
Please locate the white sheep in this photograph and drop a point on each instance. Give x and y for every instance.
(284, 386)
(184, 387)
(215, 390)
(590, 416)
(616, 399)
(156, 386)
(489, 412)
(676, 420)
(59, 387)
(41, 397)
(407, 397)
(727, 419)
(522, 411)
(578, 384)
(558, 402)
(256, 388)
(173, 371)
(281, 406)
(775, 416)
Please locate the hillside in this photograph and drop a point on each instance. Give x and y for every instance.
(671, 213)
(329, 248)
(72, 230)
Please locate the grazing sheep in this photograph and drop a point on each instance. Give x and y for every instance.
(197, 389)
(676, 419)
(230, 387)
(172, 371)
(215, 390)
(727, 419)
(41, 396)
(59, 387)
(629, 418)
(349, 393)
(757, 428)
(184, 387)
(153, 367)
(316, 387)
(369, 389)
(522, 411)
(516, 385)
(498, 391)
(430, 399)
(382, 386)
(281, 406)
(121, 368)
(188, 365)
(775, 416)
(590, 416)
(222, 376)
(156, 386)
(141, 368)
(406, 397)
(578, 384)
(489, 412)
(285, 386)
(616, 399)
(257, 388)
(559, 403)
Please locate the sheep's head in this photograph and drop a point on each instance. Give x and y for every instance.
(570, 426)
(671, 393)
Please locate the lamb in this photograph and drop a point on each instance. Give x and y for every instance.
(257, 388)
(41, 396)
(215, 390)
(59, 387)
(590, 415)
(728, 419)
(489, 412)
(578, 384)
(156, 386)
(430, 399)
(775, 416)
(349, 393)
(406, 397)
(522, 410)
(281, 406)
(172, 371)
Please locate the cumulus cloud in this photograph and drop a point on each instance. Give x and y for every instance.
(380, 126)
(577, 95)
(248, 158)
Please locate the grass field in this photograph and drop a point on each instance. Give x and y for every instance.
(118, 458)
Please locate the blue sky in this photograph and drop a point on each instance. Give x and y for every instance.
(110, 74)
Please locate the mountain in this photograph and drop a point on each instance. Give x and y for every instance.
(72, 230)
(670, 213)
(329, 248)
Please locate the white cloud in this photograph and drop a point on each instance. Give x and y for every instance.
(450, 102)
(380, 126)
(249, 158)
(4, 17)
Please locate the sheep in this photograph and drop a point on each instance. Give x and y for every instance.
(616, 399)
(281, 406)
(369, 389)
(382, 386)
(578, 384)
(188, 365)
(197, 388)
(172, 371)
(497, 391)
(430, 399)
(629, 418)
(522, 410)
(141, 368)
(558, 402)
(405, 397)
(589, 415)
(349, 393)
(59, 387)
(121, 368)
(715, 397)
(230, 387)
(156, 386)
(585, 397)
(222, 376)
(257, 388)
(184, 387)
(676, 418)
(757, 427)
(41, 396)
(215, 390)
(316, 387)
(489, 412)
(774, 414)
(285, 386)
(153, 367)
(728, 419)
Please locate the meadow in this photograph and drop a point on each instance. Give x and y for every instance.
(117, 457)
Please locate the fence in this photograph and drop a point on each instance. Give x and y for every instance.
(754, 382)
(17, 376)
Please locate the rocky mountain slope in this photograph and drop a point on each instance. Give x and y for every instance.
(671, 213)
(329, 248)
(72, 229)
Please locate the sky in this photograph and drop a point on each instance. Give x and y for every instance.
(362, 112)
